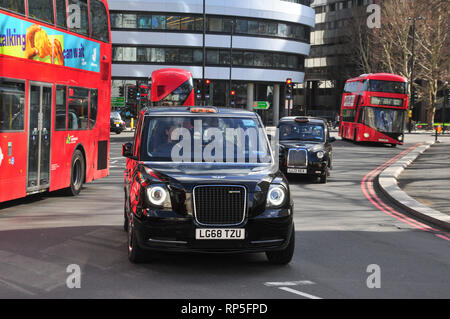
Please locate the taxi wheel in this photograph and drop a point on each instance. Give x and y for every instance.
(126, 209)
(323, 179)
(283, 257)
(135, 253)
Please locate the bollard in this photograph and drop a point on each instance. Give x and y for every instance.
(437, 131)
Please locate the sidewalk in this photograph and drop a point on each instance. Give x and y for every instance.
(427, 179)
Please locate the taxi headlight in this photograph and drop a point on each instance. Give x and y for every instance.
(320, 154)
(158, 196)
(276, 196)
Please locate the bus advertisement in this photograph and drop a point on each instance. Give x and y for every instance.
(55, 88)
(373, 108)
(172, 87)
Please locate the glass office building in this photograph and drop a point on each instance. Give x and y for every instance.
(250, 47)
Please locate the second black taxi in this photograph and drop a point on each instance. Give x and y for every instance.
(305, 147)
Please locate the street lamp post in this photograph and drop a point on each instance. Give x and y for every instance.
(204, 54)
(231, 61)
(412, 98)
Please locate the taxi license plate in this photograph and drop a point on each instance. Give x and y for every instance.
(219, 233)
(297, 170)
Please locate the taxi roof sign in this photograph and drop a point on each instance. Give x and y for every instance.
(203, 110)
(302, 119)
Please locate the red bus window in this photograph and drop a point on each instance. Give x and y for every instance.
(13, 5)
(12, 106)
(99, 21)
(83, 26)
(61, 13)
(78, 110)
(61, 104)
(93, 107)
(41, 10)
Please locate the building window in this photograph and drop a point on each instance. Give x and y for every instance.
(212, 57)
(258, 59)
(158, 22)
(144, 21)
(173, 22)
(215, 24)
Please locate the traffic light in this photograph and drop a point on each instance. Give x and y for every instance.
(121, 91)
(233, 97)
(206, 89)
(289, 88)
(131, 94)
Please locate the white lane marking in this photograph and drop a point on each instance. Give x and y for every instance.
(303, 294)
(289, 283)
(16, 287)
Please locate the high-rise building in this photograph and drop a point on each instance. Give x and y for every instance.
(268, 41)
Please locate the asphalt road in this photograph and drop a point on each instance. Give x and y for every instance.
(342, 242)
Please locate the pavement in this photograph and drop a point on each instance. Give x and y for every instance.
(419, 181)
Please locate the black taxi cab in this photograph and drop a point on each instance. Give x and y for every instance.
(204, 179)
(305, 147)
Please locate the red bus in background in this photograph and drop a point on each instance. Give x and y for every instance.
(55, 90)
(172, 87)
(374, 108)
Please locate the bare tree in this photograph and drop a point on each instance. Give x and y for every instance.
(389, 48)
(433, 54)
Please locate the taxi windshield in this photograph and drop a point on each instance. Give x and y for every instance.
(205, 138)
(302, 131)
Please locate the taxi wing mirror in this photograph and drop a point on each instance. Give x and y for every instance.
(127, 150)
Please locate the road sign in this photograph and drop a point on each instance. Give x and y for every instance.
(261, 105)
(118, 101)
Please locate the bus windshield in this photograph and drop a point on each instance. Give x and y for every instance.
(383, 119)
(387, 86)
(178, 96)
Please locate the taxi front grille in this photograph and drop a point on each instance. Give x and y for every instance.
(297, 158)
(220, 204)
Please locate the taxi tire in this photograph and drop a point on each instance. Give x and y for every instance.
(284, 256)
(323, 179)
(125, 214)
(77, 168)
(136, 254)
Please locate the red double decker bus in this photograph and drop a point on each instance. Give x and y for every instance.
(373, 108)
(55, 87)
(172, 87)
